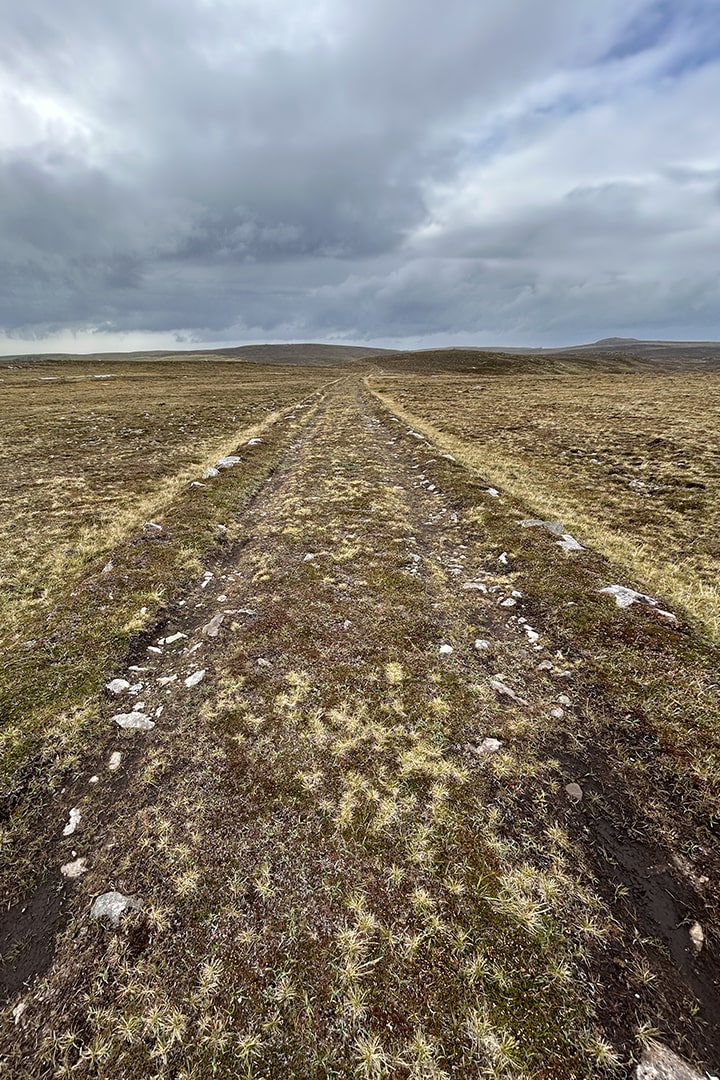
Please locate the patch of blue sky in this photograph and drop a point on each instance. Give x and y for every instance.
(646, 30)
(687, 31)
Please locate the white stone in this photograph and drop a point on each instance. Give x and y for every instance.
(565, 700)
(195, 678)
(532, 635)
(697, 937)
(660, 1063)
(152, 527)
(107, 567)
(445, 650)
(624, 597)
(94, 780)
(557, 713)
(117, 686)
(494, 492)
(112, 906)
(309, 557)
(165, 679)
(569, 543)
(481, 644)
(254, 442)
(196, 483)
(19, 1011)
(73, 822)
(212, 628)
(510, 602)
(114, 762)
(488, 746)
(263, 663)
(500, 688)
(154, 649)
(173, 638)
(74, 869)
(210, 473)
(134, 721)
(228, 462)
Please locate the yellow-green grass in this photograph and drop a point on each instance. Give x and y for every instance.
(85, 459)
(84, 463)
(630, 463)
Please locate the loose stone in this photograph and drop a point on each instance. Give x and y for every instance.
(134, 721)
(112, 906)
(117, 686)
(697, 938)
(505, 691)
(74, 869)
(72, 823)
(195, 678)
(574, 793)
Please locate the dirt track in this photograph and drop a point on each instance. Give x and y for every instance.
(334, 877)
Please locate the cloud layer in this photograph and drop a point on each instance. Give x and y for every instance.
(400, 172)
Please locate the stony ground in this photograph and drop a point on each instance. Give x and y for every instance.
(394, 791)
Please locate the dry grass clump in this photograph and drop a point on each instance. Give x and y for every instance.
(630, 463)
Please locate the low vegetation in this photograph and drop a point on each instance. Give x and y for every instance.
(419, 801)
(630, 463)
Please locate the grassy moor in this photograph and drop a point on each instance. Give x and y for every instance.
(359, 719)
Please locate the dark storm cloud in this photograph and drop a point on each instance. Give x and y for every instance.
(373, 170)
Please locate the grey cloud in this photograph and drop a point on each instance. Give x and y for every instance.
(218, 167)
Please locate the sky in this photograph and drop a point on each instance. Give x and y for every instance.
(407, 173)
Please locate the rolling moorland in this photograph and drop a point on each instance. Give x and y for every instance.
(325, 750)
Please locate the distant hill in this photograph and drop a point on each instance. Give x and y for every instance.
(609, 355)
(307, 354)
(614, 354)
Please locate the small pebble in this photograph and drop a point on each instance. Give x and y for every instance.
(72, 823)
(697, 938)
(574, 793)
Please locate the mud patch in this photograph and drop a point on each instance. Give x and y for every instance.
(27, 937)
